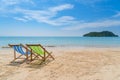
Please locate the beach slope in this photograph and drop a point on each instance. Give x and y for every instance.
(69, 64)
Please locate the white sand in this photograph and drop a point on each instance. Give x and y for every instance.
(69, 64)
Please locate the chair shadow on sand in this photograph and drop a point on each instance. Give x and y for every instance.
(17, 63)
(37, 64)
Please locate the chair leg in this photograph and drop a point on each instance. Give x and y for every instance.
(52, 57)
(14, 54)
(16, 58)
(31, 56)
(49, 54)
(44, 59)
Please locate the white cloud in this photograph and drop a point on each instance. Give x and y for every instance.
(6, 3)
(20, 19)
(48, 16)
(104, 23)
(61, 7)
(117, 15)
(8, 6)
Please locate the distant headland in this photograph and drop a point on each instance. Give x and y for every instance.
(100, 34)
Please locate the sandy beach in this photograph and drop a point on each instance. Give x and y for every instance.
(69, 64)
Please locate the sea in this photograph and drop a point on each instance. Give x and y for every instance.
(63, 41)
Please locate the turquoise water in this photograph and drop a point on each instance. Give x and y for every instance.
(63, 41)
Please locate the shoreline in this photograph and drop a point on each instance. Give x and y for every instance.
(70, 46)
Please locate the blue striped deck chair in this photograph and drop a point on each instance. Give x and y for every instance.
(22, 50)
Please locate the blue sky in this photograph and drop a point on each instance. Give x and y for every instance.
(58, 17)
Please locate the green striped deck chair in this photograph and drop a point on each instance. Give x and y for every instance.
(38, 51)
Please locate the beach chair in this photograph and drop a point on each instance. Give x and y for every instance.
(38, 51)
(19, 48)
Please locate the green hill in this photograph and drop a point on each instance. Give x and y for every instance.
(100, 34)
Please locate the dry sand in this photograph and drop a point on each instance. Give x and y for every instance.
(69, 64)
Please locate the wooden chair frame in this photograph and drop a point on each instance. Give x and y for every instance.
(38, 55)
(18, 57)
